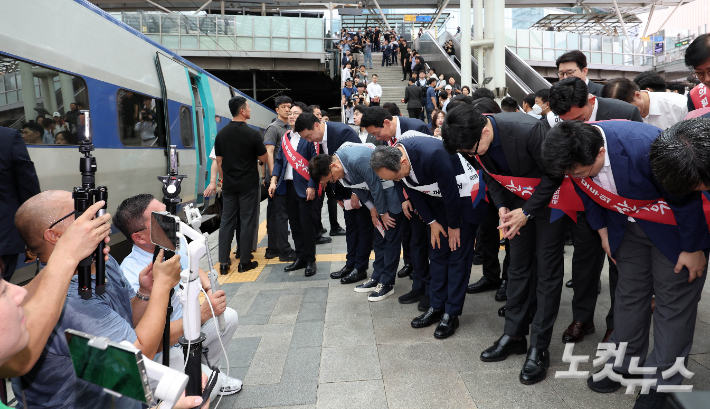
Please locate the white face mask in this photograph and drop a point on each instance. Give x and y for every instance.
(537, 109)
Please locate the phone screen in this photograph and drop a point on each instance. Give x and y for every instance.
(163, 230)
(113, 368)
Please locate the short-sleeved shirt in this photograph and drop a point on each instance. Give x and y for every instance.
(430, 93)
(239, 146)
(273, 134)
(52, 383)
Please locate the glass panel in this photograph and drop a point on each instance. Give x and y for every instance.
(278, 44)
(188, 43)
(245, 25)
(170, 24)
(524, 53)
(536, 38)
(152, 23)
(154, 37)
(208, 25)
(314, 27)
(589, 55)
(596, 58)
(279, 26)
(11, 97)
(607, 58)
(616, 46)
(572, 41)
(226, 43)
(225, 25)
(607, 44)
(510, 39)
(523, 38)
(558, 53)
(188, 25)
(172, 42)
(297, 44)
(133, 20)
(139, 119)
(618, 59)
(10, 82)
(649, 61)
(262, 26)
(263, 43)
(548, 39)
(2, 83)
(561, 40)
(548, 55)
(596, 44)
(585, 42)
(208, 43)
(513, 49)
(314, 46)
(247, 44)
(3, 99)
(186, 127)
(298, 27)
(536, 54)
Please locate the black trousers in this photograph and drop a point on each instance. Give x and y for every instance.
(613, 280)
(406, 241)
(406, 69)
(490, 246)
(414, 112)
(384, 269)
(300, 217)
(536, 272)
(277, 225)
(420, 250)
(239, 214)
(358, 237)
(587, 263)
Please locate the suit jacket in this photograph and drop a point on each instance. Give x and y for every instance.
(356, 160)
(413, 97)
(337, 134)
(307, 150)
(413, 124)
(594, 88)
(19, 183)
(628, 145)
(521, 137)
(610, 108)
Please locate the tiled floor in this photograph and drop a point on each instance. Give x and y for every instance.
(314, 343)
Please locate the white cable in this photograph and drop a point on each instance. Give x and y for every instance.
(219, 336)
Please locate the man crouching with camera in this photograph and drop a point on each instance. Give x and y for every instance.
(43, 221)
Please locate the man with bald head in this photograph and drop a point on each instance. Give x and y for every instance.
(118, 314)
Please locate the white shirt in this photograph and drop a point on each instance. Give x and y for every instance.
(213, 156)
(363, 136)
(605, 178)
(295, 137)
(374, 90)
(533, 114)
(443, 106)
(594, 112)
(665, 109)
(346, 74)
(324, 142)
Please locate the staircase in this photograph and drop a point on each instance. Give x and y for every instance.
(389, 79)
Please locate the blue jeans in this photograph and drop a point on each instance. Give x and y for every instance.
(368, 57)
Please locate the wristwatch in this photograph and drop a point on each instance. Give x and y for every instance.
(528, 216)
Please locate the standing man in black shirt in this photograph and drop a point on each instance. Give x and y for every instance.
(238, 147)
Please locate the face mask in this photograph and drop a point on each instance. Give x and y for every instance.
(537, 109)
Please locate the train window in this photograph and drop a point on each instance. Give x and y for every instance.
(43, 103)
(140, 119)
(186, 126)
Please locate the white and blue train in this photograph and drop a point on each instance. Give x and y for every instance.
(75, 52)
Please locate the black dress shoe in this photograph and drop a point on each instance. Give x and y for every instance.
(411, 297)
(322, 231)
(424, 304)
(337, 232)
(447, 326)
(604, 385)
(342, 272)
(290, 256)
(652, 400)
(269, 254)
(311, 268)
(428, 318)
(481, 285)
(224, 269)
(535, 366)
(502, 292)
(405, 271)
(353, 277)
(243, 267)
(323, 240)
(296, 265)
(501, 311)
(504, 347)
(568, 284)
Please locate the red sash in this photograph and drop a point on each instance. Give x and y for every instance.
(295, 159)
(699, 96)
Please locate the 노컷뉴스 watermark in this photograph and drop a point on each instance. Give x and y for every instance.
(604, 353)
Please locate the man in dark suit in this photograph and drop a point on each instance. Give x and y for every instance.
(508, 145)
(19, 184)
(413, 97)
(389, 128)
(574, 64)
(358, 235)
(570, 100)
(666, 257)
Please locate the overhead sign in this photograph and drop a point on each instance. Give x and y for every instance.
(658, 48)
(645, 38)
(658, 38)
(410, 17)
(681, 43)
(424, 19)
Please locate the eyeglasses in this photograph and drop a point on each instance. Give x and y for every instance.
(568, 73)
(61, 220)
(701, 75)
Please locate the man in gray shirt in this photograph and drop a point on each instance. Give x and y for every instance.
(276, 216)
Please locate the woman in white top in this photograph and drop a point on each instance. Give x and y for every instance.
(661, 109)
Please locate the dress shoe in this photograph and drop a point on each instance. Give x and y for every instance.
(224, 269)
(652, 400)
(243, 267)
(411, 297)
(366, 287)
(342, 272)
(381, 292)
(604, 385)
(447, 326)
(323, 240)
(322, 231)
(428, 318)
(481, 285)
(607, 335)
(296, 265)
(337, 232)
(290, 256)
(576, 332)
(311, 268)
(405, 271)
(568, 284)
(502, 293)
(535, 366)
(424, 304)
(353, 277)
(269, 254)
(504, 347)
(501, 311)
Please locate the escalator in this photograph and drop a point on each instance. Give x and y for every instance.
(521, 79)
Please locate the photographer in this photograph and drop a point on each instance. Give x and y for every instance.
(146, 129)
(362, 97)
(118, 314)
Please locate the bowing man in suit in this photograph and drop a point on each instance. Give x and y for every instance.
(358, 235)
(664, 257)
(437, 184)
(350, 165)
(388, 128)
(290, 177)
(571, 100)
(508, 145)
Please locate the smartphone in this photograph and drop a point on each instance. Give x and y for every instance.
(117, 368)
(163, 230)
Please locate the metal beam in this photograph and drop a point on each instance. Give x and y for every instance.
(203, 7)
(465, 9)
(435, 19)
(680, 3)
(382, 14)
(158, 6)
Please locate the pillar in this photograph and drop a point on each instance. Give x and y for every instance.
(465, 9)
(67, 89)
(29, 98)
